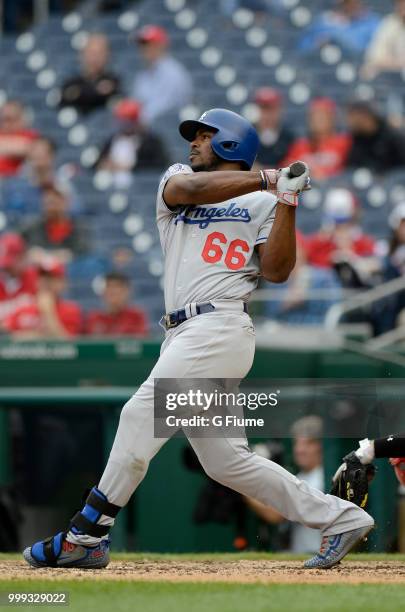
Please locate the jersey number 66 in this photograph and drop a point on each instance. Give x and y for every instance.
(213, 252)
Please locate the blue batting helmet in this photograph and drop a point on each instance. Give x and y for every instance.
(235, 139)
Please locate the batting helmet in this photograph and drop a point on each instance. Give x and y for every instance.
(235, 139)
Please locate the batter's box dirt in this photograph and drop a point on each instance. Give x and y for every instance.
(241, 571)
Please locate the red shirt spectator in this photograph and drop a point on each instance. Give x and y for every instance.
(29, 318)
(323, 247)
(130, 321)
(324, 150)
(118, 318)
(18, 281)
(12, 287)
(49, 316)
(15, 138)
(326, 157)
(340, 238)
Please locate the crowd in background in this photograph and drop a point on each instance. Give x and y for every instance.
(48, 232)
(44, 208)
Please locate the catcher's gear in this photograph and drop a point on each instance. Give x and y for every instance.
(351, 480)
(235, 140)
(399, 468)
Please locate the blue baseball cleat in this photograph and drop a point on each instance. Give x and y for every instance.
(335, 547)
(58, 552)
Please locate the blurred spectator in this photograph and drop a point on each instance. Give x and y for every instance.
(341, 243)
(16, 137)
(396, 251)
(275, 138)
(296, 306)
(132, 147)
(386, 311)
(308, 456)
(49, 316)
(261, 8)
(375, 144)
(118, 318)
(386, 52)
(18, 280)
(122, 259)
(96, 84)
(19, 15)
(56, 230)
(350, 25)
(164, 84)
(22, 194)
(324, 149)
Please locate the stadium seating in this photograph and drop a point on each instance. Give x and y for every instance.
(229, 57)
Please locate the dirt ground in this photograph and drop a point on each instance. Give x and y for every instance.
(247, 571)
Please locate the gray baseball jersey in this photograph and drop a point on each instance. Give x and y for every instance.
(210, 256)
(210, 250)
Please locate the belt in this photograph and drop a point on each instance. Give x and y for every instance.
(176, 317)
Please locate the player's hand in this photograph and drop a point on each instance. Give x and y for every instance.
(351, 480)
(342, 467)
(288, 187)
(364, 454)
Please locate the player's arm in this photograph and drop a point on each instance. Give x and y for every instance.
(209, 187)
(277, 255)
(15, 147)
(52, 327)
(266, 513)
(391, 446)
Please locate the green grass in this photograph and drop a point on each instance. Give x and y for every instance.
(126, 596)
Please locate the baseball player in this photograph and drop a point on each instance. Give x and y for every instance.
(221, 226)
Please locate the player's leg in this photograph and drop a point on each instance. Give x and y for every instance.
(133, 448)
(231, 462)
(86, 541)
(189, 351)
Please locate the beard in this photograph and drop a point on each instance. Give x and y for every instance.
(208, 166)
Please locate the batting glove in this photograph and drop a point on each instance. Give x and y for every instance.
(289, 188)
(365, 453)
(285, 186)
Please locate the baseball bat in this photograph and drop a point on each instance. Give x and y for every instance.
(296, 169)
